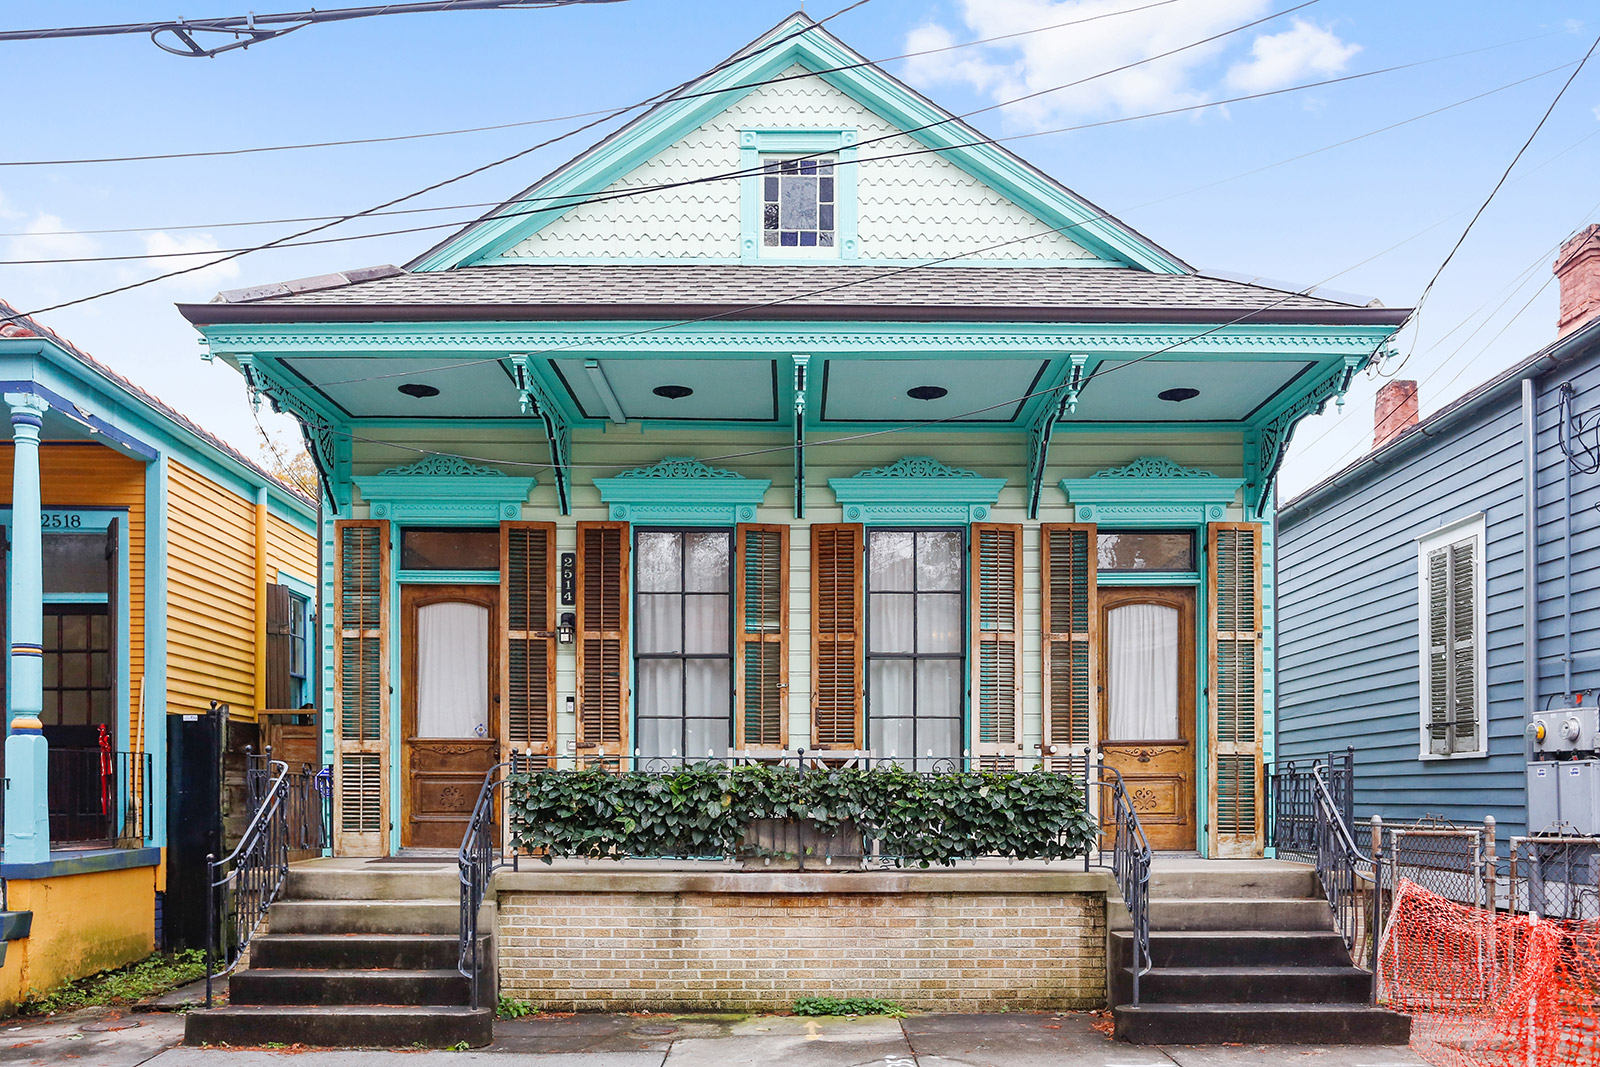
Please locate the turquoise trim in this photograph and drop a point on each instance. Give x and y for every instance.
(448, 577)
(77, 598)
(1151, 492)
(325, 629)
(916, 490)
(682, 491)
(297, 585)
(868, 85)
(156, 501)
(66, 864)
(396, 690)
(1148, 578)
(873, 261)
(444, 489)
(753, 144)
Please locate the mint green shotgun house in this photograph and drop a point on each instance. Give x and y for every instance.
(795, 415)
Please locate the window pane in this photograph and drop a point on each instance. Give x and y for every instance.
(892, 738)
(74, 632)
(939, 622)
(708, 691)
(659, 738)
(447, 549)
(890, 621)
(660, 688)
(660, 622)
(706, 620)
(797, 204)
(939, 691)
(1145, 550)
(659, 562)
(452, 670)
(889, 560)
(703, 738)
(939, 560)
(707, 570)
(889, 688)
(76, 563)
(1142, 663)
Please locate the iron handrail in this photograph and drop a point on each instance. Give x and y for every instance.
(1130, 866)
(480, 856)
(1339, 863)
(255, 870)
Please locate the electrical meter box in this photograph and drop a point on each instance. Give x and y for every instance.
(1565, 731)
(1564, 792)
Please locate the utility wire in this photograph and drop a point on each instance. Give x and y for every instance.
(242, 31)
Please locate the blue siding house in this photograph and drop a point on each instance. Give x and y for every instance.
(1475, 532)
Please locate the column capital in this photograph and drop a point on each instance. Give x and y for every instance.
(27, 409)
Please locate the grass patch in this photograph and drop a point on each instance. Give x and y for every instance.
(848, 1006)
(149, 977)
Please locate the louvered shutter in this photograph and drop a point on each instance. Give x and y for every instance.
(1071, 618)
(527, 623)
(361, 686)
(280, 648)
(762, 630)
(1463, 646)
(1439, 730)
(997, 637)
(836, 642)
(602, 641)
(1235, 688)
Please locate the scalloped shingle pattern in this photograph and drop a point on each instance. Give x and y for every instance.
(918, 206)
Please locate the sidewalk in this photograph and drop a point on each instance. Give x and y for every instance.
(106, 1039)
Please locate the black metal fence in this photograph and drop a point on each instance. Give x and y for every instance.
(99, 798)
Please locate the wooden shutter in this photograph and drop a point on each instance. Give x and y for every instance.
(1439, 651)
(762, 631)
(836, 636)
(528, 625)
(1070, 638)
(1453, 712)
(280, 649)
(1234, 555)
(361, 686)
(997, 637)
(602, 641)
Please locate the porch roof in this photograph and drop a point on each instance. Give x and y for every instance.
(881, 292)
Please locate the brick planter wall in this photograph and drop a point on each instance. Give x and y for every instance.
(737, 941)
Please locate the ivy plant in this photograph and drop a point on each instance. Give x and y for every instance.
(707, 808)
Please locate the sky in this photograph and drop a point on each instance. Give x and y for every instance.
(1306, 187)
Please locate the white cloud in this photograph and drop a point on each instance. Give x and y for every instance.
(1280, 59)
(43, 239)
(178, 251)
(1038, 62)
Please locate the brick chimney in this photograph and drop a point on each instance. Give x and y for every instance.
(1577, 268)
(1396, 412)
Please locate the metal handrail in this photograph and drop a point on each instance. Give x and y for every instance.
(1130, 866)
(255, 871)
(480, 856)
(1339, 866)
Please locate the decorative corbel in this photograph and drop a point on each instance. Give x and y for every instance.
(1059, 407)
(322, 439)
(535, 401)
(1271, 440)
(800, 363)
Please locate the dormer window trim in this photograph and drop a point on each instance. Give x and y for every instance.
(757, 147)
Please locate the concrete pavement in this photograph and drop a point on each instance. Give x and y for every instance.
(1021, 1039)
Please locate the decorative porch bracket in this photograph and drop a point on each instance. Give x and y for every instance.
(321, 437)
(536, 401)
(1270, 442)
(800, 363)
(1043, 426)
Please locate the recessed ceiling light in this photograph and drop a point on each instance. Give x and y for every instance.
(1178, 396)
(673, 392)
(418, 390)
(927, 392)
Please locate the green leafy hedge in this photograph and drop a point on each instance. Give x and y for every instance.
(703, 810)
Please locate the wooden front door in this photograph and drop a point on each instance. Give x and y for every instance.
(1147, 689)
(450, 669)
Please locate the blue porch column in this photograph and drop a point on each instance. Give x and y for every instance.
(27, 792)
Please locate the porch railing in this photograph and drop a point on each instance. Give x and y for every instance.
(482, 853)
(1130, 863)
(99, 798)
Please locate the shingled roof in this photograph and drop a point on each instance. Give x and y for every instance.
(778, 292)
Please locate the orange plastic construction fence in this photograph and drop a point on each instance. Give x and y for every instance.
(1489, 989)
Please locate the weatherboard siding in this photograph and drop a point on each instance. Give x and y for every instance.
(913, 204)
(291, 549)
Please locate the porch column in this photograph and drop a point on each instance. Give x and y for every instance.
(27, 811)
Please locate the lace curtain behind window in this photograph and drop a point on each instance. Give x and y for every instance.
(1142, 655)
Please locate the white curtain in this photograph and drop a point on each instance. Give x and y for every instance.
(452, 670)
(1142, 645)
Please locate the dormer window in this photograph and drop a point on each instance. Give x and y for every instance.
(798, 203)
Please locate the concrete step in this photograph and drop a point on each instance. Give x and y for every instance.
(1235, 948)
(436, 916)
(1262, 913)
(1222, 878)
(340, 1026)
(1245, 985)
(312, 882)
(1257, 1024)
(342, 951)
(258, 985)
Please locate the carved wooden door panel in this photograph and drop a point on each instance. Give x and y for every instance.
(450, 670)
(1147, 681)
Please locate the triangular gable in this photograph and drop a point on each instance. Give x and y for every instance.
(1102, 238)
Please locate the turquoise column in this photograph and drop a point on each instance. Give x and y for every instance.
(27, 769)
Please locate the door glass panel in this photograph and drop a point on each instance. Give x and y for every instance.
(1142, 659)
(450, 549)
(452, 670)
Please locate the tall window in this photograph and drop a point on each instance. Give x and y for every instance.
(798, 203)
(683, 660)
(79, 664)
(915, 644)
(1450, 578)
(299, 623)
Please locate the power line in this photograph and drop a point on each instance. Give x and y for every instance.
(568, 118)
(242, 31)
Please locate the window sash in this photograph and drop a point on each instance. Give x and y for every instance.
(695, 723)
(1452, 711)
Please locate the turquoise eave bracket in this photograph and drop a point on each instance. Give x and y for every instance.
(682, 491)
(445, 489)
(1151, 491)
(916, 489)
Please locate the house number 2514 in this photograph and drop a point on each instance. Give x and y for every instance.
(60, 520)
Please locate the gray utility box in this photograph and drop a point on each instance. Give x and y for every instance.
(1565, 792)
